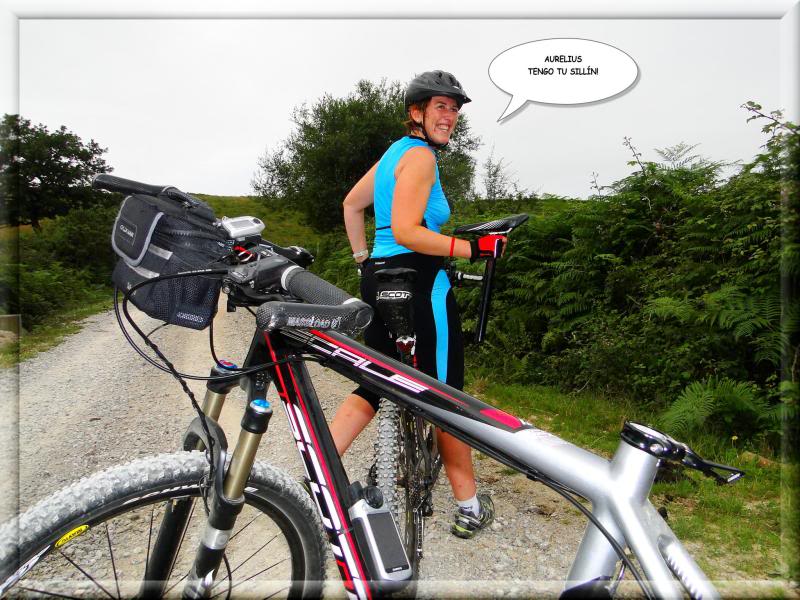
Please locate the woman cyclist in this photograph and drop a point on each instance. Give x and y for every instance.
(410, 209)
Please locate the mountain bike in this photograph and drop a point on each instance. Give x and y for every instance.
(212, 523)
(407, 462)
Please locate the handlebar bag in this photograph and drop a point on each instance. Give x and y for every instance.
(158, 236)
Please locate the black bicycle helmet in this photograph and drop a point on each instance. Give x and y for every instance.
(435, 83)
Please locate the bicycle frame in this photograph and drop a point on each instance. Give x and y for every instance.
(617, 489)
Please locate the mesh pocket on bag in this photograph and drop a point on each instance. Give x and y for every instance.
(174, 245)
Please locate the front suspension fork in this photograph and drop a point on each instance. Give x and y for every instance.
(178, 512)
(227, 503)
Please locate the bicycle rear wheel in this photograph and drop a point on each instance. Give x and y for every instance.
(93, 538)
(407, 464)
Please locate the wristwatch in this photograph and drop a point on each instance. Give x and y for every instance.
(360, 253)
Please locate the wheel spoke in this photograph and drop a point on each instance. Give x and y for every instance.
(241, 564)
(92, 579)
(113, 563)
(183, 535)
(176, 583)
(254, 553)
(245, 527)
(48, 593)
(149, 539)
(253, 576)
(276, 552)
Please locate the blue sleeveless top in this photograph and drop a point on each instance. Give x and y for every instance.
(437, 211)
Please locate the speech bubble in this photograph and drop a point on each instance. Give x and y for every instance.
(561, 71)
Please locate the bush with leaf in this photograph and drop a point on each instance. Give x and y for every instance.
(724, 406)
(669, 277)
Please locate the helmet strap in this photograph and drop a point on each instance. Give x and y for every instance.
(430, 142)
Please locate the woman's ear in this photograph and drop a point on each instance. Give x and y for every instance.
(416, 115)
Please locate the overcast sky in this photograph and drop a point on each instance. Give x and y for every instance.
(194, 103)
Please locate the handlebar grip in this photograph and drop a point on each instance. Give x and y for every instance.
(315, 290)
(104, 181)
(312, 289)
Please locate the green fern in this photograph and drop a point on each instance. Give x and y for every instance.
(666, 307)
(551, 339)
(730, 309)
(721, 404)
(768, 346)
(690, 410)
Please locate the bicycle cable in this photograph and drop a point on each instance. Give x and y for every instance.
(161, 367)
(167, 366)
(170, 368)
(569, 495)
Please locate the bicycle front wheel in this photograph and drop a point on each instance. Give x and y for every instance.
(94, 538)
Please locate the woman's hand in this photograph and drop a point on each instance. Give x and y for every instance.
(487, 246)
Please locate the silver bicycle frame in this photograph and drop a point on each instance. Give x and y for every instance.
(618, 489)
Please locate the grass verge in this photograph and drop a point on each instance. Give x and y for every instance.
(733, 531)
(52, 332)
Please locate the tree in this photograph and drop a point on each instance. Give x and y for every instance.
(496, 180)
(337, 140)
(499, 183)
(45, 173)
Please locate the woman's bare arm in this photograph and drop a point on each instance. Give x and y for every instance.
(357, 200)
(415, 175)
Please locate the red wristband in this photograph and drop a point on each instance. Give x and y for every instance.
(452, 245)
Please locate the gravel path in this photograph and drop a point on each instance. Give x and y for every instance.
(91, 402)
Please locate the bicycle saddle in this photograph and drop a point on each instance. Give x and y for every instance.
(501, 226)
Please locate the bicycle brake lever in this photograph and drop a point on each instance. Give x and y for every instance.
(707, 468)
(664, 447)
(259, 274)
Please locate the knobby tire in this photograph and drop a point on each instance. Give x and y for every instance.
(104, 526)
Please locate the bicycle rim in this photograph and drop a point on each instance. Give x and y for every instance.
(104, 553)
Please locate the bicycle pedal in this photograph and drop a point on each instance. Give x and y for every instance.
(427, 511)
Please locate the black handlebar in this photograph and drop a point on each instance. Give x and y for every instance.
(104, 181)
(111, 183)
(312, 289)
(324, 306)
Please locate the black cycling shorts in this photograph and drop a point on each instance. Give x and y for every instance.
(440, 342)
